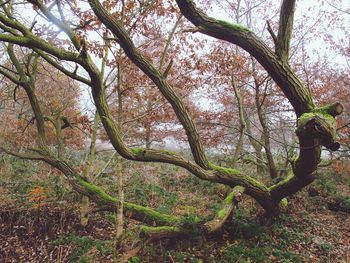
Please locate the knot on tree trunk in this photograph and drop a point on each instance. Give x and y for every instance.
(320, 124)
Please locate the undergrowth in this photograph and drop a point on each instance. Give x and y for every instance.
(306, 231)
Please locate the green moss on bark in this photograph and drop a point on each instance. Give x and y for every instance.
(137, 151)
(169, 152)
(139, 212)
(231, 196)
(223, 169)
(149, 215)
(284, 202)
(222, 213)
(289, 178)
(237, 27)
(94, 189)
(317, 112)
(241, 179)
(333, 109)
(159, 229)
(229, 199)
(321, 114)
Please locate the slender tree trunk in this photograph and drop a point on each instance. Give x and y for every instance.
(148, 126)
(120, 205)
(84, 210)
(239, 144)
(119, 167)
(267, 145)
(265, 130)
(290, 153)
(238, 148)
(85, 202)
(238, 96)
(257, 145)
(59, 140)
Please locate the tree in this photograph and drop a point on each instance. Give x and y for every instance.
(316, 125)
(57, 94)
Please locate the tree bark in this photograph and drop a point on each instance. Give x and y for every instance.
(120, 204)
(266, 139)
(242, 125)
(257, 145)
(85, 202)
(119, 166)
(84, 210)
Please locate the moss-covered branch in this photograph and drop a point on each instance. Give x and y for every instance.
(285, 29)
(137, 212)
(162, 232)
(314, 129)
(198, 228)
(226, 210)
(97, 194)
(316, 126)
(334, 109)
(298, 95)
(157, 77)
(321, 125)
(254, 188)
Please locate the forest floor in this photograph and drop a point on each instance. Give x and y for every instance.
(313, 227)
(307, 231)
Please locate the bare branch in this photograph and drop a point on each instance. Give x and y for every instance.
(273, 35)
(63, 69)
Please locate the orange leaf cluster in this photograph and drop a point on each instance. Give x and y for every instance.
(37, 196)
